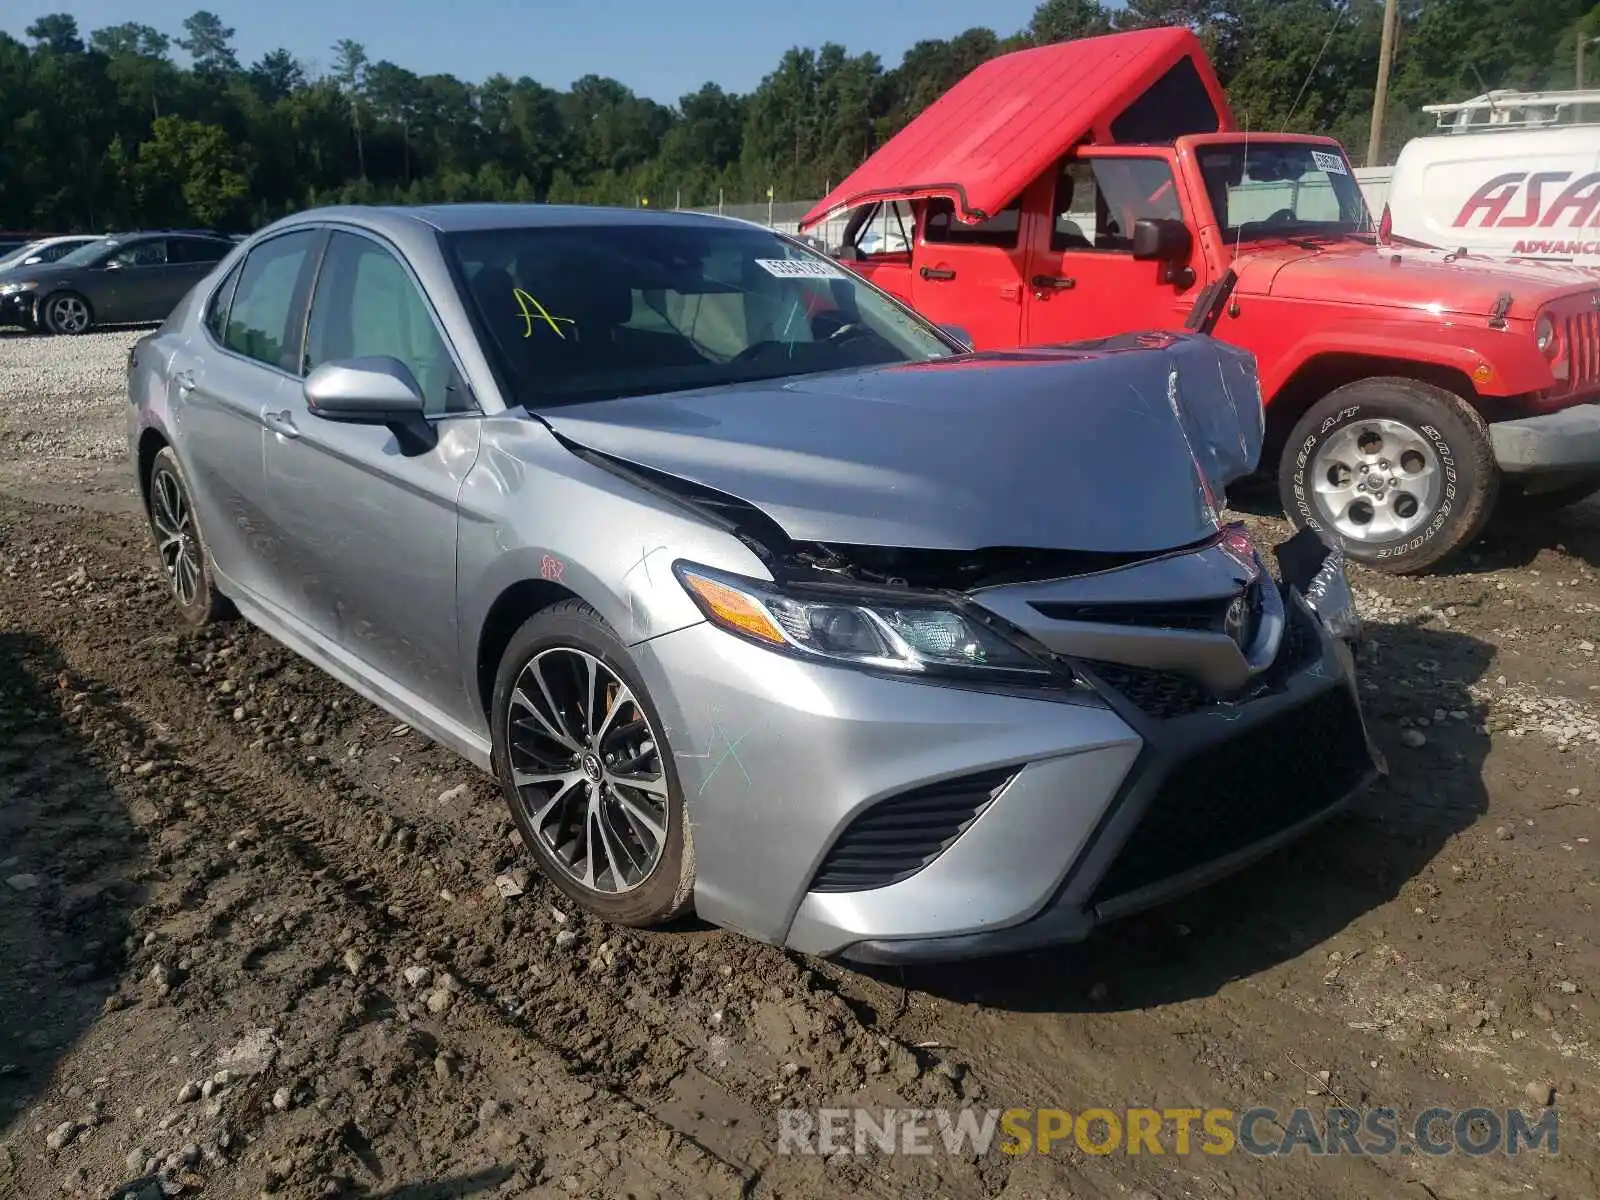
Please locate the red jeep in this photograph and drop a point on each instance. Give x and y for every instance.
(1099, 186)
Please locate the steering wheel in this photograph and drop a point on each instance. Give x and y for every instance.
(1283, 216)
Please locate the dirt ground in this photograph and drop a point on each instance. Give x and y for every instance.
(251, 941)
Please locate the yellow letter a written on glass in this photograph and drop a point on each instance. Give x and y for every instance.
(531, 309)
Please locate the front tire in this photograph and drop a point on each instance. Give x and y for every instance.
(179, 544)
(66, 313)
(1400, 471)
(586, 771)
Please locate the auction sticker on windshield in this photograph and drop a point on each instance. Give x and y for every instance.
(1329, 162)
(799, 268)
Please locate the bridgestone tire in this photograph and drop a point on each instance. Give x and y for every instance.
(1459, 439)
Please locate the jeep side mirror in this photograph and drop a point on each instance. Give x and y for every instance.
(1168, 242)
(1161, 239)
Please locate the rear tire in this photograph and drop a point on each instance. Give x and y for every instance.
(66, 313)
(1399, 471)
(180, 547)
(623, 852)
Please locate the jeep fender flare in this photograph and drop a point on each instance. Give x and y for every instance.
(1510, 367)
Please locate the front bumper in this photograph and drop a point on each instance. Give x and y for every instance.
(1564, 442)
(17, 309)
(841, 813)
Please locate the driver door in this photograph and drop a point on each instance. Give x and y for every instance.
(370, 531)
(1083, 281)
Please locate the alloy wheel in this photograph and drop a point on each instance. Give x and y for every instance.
(68, 314)
(1376, 480)
(177, 539)
(586, 766)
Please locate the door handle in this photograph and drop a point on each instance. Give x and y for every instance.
(936, 273)
(184, 382)
(1058, 282)
(281, 423)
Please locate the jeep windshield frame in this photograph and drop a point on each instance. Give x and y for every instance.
(1268, 189)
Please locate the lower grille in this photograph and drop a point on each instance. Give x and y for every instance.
(897, 837)
(1235, 793)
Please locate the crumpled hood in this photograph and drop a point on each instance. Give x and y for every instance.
(1408, 277)
(1121, 445)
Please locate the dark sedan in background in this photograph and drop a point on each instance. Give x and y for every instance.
(119, 279)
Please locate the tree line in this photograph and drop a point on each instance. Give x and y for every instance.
(112, 130)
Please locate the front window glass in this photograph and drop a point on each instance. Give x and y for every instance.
(89, 253)
(1282, 190)
(593, 312)
(142, 254)
(366, 306)
(1098, 200)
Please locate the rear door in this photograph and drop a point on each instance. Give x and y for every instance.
(1083, 281)
(236, 369)
(971, 275)
(191, 259)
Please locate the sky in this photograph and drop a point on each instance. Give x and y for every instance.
(660, 50)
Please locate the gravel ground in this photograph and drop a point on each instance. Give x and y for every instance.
(258, 938)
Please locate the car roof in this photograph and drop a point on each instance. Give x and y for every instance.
(1008, 119)
(466, 218)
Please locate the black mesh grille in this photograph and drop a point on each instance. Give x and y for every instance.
(897, 837)
(1239, 791)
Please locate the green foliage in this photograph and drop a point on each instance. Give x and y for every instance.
(109, 131)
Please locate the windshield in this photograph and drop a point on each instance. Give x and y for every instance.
(594, 312)
(87, 254)
(1282, 190)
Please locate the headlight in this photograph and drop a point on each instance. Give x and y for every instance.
(12, 289)
(914, 636)
(1544, 336)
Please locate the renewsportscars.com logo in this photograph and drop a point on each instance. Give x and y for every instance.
(1262, 1131)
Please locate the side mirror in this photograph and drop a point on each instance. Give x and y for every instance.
(959, 333)
(371, 391)
(1161, 239)
(112, 264)
(1168, 242)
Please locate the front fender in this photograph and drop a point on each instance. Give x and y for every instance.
(533, 510)
(1498, 362)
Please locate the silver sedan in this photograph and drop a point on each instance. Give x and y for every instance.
(757, 592)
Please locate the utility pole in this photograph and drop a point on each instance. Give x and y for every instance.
(1584, 42)
(1381, 99)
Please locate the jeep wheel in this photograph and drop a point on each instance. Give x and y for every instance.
(1400, 471)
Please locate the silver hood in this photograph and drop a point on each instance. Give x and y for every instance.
(1123, 445)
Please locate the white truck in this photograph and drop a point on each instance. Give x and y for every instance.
(1506, 174)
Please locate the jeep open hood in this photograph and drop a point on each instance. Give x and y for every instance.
(1408, 277)
(1122, 448)
(997, 129)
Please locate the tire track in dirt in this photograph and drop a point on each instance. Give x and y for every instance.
(1225, 999)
